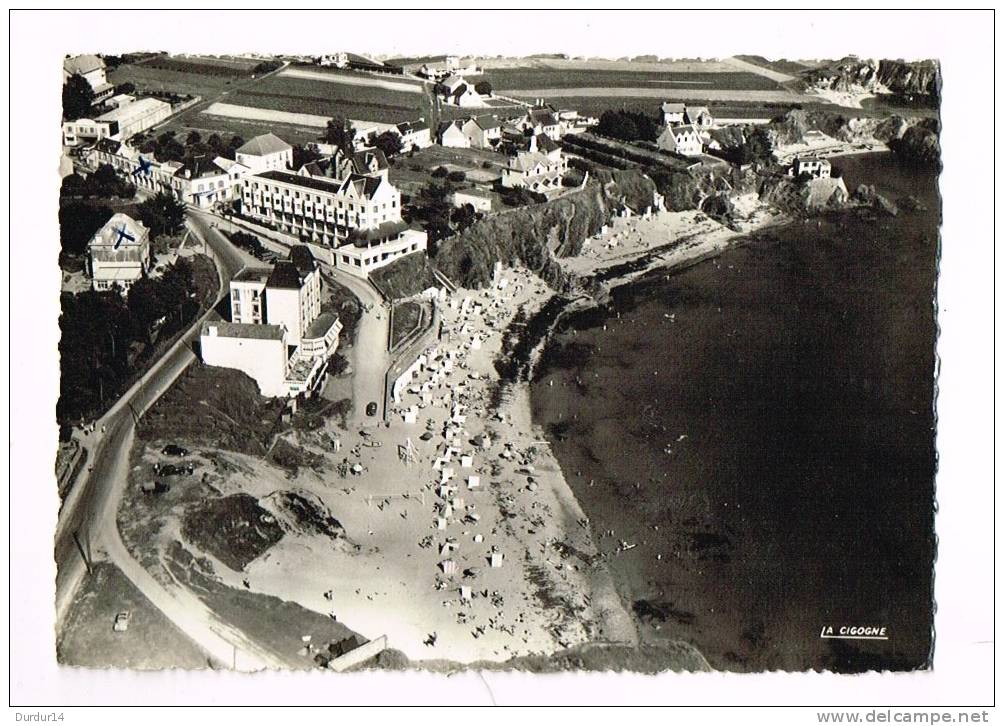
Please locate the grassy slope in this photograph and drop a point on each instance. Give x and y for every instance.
(152, 642)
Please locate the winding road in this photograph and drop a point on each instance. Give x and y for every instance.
(89, 511)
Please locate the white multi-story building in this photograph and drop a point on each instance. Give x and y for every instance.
(321, 210)
(278, 335)
(266, 153)
(127, 119)
(119, 253)
(364, 255)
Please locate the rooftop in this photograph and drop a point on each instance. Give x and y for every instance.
(265, 144)
(253, 274)
(285, 276)
(136, 108)
(133, 232)
(82, 64)
(243, 330)
(321, 325)
(321, 185)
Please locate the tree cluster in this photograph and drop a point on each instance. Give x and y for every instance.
(249, 242)
(433, 208)
(105, 182)
(628, 126)
(163, 214)
(167, 147)
(340, 133)
(102, 332)
(77, 97)
(389, 143)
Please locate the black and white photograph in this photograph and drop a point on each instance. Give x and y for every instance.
(425, 352)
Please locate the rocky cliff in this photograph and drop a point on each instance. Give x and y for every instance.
(538, 234)
(917, 78)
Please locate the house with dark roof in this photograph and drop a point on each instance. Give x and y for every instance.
(483, 132)
(456, 91)
(414, 135)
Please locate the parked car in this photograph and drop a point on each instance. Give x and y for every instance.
(173, 469)
(121, 623)
(371, 408)
(174, 450)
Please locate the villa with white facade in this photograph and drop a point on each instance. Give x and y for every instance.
(685, 140)
(119, 253)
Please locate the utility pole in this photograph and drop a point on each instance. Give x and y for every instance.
(83, 552)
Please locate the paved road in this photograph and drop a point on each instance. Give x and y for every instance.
(368, 356)
(90, 509)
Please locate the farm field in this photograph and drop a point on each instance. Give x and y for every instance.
(603, 64)
(147, 77)
(207, 124)
(283, 92)
(505, 80)
(350, 78)
(783, 65)
(204, 65)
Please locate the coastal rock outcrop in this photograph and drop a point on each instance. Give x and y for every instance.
(917, 78)
(538, 234)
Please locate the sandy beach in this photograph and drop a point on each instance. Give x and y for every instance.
(422, 524)
(666, 238)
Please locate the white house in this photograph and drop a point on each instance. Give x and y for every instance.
(278, 334)
(477, 198)
(534, 170)
(814, 167)
(257, 350)
(482, 131)
(680, 114)
(119, 253)
(685, 140)
(699, 117)
(458, 92)
(92, 69)
(672, 113)
(264, 153)
(451, 135)
(414, 135)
